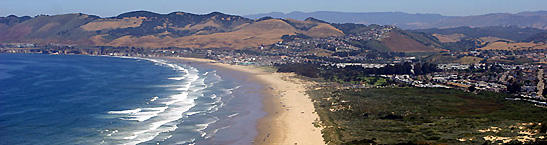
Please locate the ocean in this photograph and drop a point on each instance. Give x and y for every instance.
(75, 99)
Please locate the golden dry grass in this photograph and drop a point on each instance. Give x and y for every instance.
(493, 39)
(98, 39)
(449, 38)
(400, 43)
(251, 34)
(248, 35)
(207, 24)
(103, 24)
(263, 32)
(48, 26)
(16, 32)
(513, 46)
(469, 60)
(3, 27)
(323, 30)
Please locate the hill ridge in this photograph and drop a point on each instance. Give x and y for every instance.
(536, 19)
(176, 29)
(150, 29)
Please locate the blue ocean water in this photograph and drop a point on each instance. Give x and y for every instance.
(63, 99)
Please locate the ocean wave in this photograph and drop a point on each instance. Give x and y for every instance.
(216, 76)
(111, 133)
(199, 87)
(217, 103)
(215, 131)
(154, 120)
(213, 96)
(150, 122)
(233, 115)
(177, 78)
(227, 92)
(145, 114)
(203, 126)
(186, 141)
(131, 137)
(193, 113)
(177, 98)
(160, 123)
(235, 88)
(131, 111)
(215, 108)
(212, 78)
(154, 99)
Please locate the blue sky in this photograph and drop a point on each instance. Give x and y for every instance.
(106, 8)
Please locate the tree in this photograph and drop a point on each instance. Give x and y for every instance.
(513, 87)
(418, 69)
(543, 128)
(472, 88)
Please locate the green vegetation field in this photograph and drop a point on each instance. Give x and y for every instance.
(371, 81)
(424, 116)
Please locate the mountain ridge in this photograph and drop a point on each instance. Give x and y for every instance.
(535, 19)
(149, 29)
(215, 30)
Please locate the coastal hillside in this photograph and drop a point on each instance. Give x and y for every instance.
(152, 30)
(398, 42)
(400, 19)
(535, 19)
(185, 30)
(511, 33)
(489, 38)
(49, 29)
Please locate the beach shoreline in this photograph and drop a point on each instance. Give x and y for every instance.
(290, 112)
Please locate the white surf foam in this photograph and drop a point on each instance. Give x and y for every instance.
(154, 99)
(213, 96)
(168, 112)
(211, 77)
(215, 131)
(233, 115)
(145, 114)
(193, 113)
(151, 121)
(177, 78)
(203, 126)
(125, 111)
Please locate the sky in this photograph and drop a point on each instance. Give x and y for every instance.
(108, 8)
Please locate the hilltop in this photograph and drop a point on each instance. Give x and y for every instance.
(177, 29)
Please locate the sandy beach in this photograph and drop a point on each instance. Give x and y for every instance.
(290, 111)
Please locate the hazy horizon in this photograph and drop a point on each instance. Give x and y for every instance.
(104, 8)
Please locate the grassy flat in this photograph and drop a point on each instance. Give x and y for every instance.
(423, 115)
